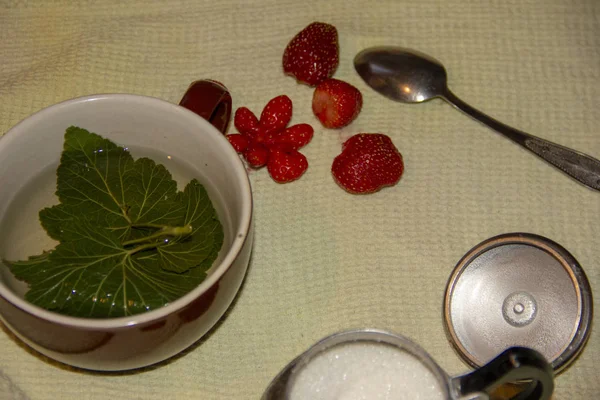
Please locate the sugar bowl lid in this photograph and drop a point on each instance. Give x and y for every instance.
(518, 289)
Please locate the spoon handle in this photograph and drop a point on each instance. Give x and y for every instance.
(579, 166)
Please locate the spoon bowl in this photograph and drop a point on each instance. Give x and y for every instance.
(409, 76)
(402, 75)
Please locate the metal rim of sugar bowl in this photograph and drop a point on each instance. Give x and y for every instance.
(279, 386)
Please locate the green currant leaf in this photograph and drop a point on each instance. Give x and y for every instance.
(129, 241)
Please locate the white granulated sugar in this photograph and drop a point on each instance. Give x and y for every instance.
(366, 371)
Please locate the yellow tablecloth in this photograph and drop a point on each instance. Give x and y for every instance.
(325, 260)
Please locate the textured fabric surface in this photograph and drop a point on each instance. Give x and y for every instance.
(325, 260)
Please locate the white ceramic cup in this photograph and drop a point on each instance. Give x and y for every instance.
(35, 144)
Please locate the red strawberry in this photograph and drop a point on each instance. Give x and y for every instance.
(256, 154)
(368, 162)
(276, 114)
(266, 141)
(296, 136)
(245, 121)
(239, 142)
(286, 164)
(258, 135)
(336, 103)
(313, 54)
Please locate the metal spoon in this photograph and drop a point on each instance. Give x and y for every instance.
(412, 77)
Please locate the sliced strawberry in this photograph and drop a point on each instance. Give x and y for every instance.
(368, 162)
(276, 114)
(266, 141)
(256, 154)
(297, 136)
(313, 54)
(336, 103)
(239, 142)
(245, 121)
(258, 135)
(286, 164)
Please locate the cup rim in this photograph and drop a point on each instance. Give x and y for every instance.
(219, 269)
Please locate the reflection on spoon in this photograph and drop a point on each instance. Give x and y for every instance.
(409, 76)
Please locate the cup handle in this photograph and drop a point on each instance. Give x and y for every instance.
(514, 364)
(210, 100)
